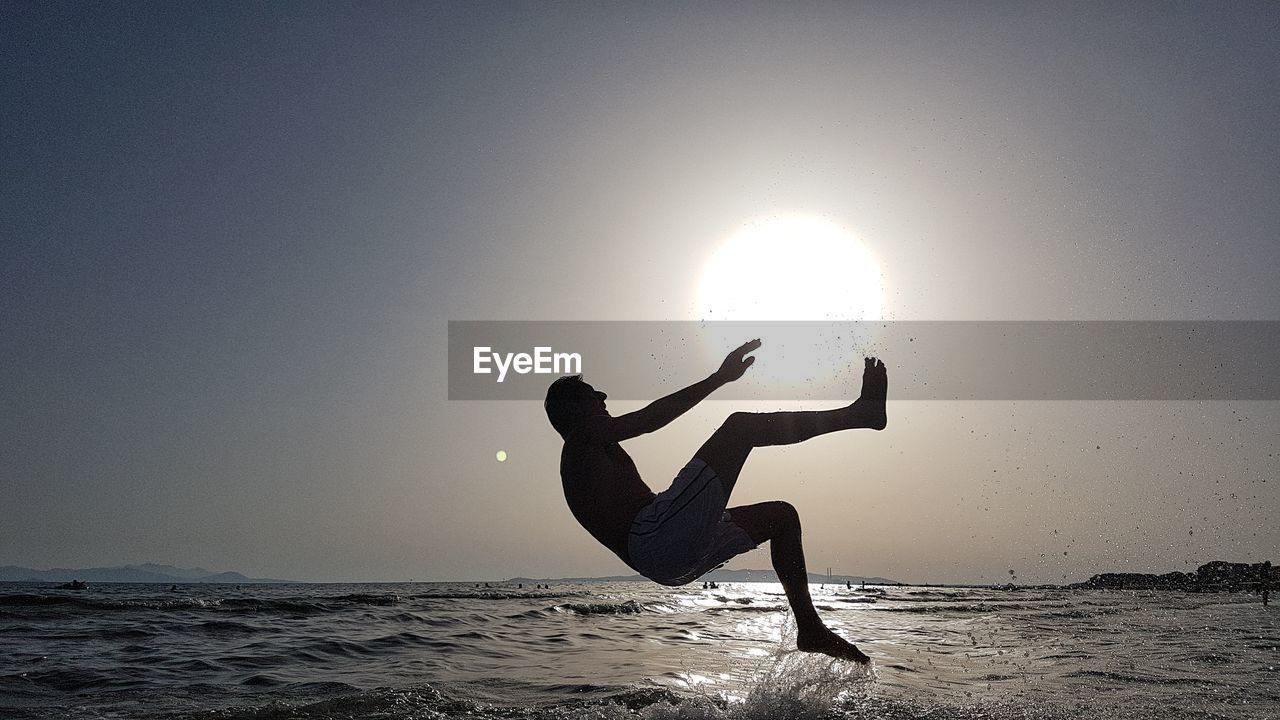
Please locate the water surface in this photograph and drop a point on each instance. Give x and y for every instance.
(424, 650)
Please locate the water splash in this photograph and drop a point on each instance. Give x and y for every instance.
(802, 685)
(787, 684)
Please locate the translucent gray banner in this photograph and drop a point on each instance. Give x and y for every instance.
(977, 360)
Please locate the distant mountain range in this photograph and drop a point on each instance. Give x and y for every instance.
(720, 576)
(147, 573)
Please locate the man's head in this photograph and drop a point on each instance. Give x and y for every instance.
(569, 401)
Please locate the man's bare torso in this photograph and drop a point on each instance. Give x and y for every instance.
(604, 490)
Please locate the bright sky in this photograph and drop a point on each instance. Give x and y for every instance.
(231, 238)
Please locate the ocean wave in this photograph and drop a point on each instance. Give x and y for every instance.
(425, 701)
(498, 595)
(535, 614)
(295, 605)
(262, 680)
(88, 603)
(223, 627)
(367, 599)
(738, 600)
(940, 594)
(26, 600)
(1135, 678)
(629, 607)
(1213, 659)
(1080, 614)
(977, 608)
(77, 680)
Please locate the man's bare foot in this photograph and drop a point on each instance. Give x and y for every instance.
(875, 390)
(827, 642)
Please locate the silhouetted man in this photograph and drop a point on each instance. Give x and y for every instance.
(681, 533)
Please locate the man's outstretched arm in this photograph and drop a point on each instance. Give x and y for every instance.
(662, 411)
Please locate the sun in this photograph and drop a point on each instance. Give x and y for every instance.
(791, 267)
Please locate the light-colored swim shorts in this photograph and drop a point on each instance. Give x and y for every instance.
(686, 531)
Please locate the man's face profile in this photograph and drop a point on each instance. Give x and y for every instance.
(591, 401)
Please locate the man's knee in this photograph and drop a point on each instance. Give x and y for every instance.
(785, 514)
(742, 426)
(735, 431)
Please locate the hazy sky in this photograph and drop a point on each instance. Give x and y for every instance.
(233, 234)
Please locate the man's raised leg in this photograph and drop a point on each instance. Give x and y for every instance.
(727, 448)
(779, 524)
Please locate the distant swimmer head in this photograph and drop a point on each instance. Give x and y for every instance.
(570, 400)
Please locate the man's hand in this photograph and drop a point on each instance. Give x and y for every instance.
(736, 362)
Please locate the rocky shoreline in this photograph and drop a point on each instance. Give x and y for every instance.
(1216, 576)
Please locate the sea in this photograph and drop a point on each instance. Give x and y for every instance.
(629, 650)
